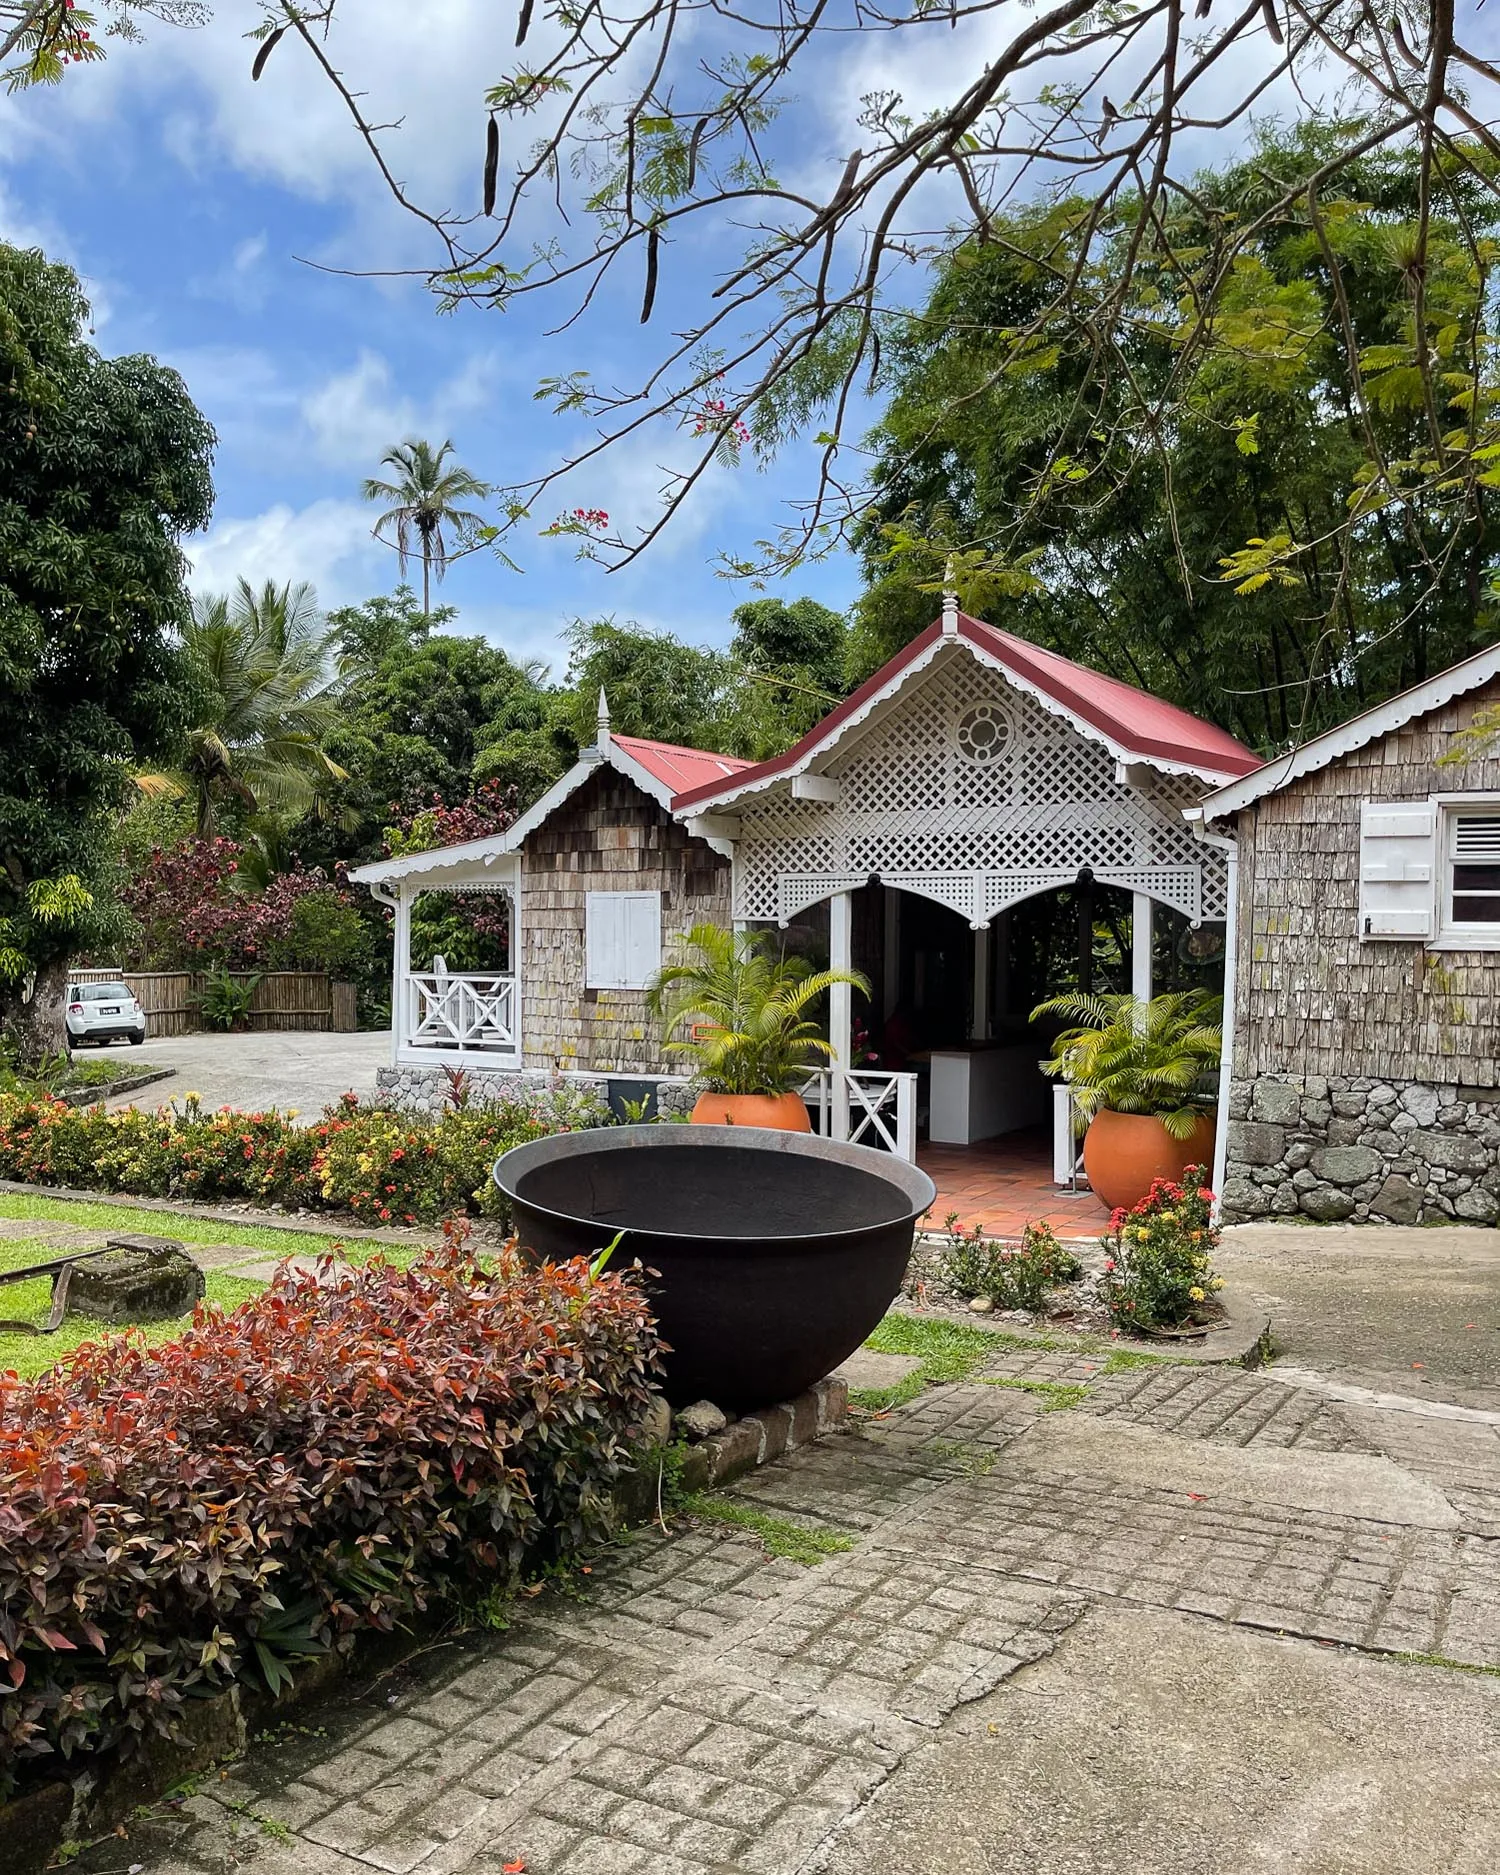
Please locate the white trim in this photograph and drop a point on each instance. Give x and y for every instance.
(1458, 937)
(1359, 731)
(1230, 849)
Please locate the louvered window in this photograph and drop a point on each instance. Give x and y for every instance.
(1473, 854)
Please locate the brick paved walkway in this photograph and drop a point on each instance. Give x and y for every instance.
(705, 1709)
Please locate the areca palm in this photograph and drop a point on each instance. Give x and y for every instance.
(743, 1011)
(264, 659)
(1133, 1056)
(424, 498)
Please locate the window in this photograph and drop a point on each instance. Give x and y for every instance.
(1471, 872)
(622, 940)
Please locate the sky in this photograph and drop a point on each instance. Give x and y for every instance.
(210, 218)
(192, 202)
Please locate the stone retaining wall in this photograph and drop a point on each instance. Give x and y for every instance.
(425, 1090)
(1332, 1147)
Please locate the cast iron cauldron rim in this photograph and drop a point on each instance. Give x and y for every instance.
(756, 1139)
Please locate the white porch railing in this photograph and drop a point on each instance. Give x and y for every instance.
(866, 1107)
(468, 1012)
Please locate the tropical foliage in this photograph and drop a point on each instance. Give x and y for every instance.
(422, 496)
(741, 1012)
(323, 1462)
(1127, 1055)
(104, 467)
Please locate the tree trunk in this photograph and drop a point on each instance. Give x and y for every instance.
(36, 1027)
(426, 580)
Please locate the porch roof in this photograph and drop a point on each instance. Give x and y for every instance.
(1133, 725)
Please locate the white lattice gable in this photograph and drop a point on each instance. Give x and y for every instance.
(963, 788)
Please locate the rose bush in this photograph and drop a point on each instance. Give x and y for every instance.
(1158, 1264)
(385, 1167)
(331, 1455)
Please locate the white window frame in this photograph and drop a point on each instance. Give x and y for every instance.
(1452, 936)
(598, 974)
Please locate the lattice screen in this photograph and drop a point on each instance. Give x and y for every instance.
(950, 805)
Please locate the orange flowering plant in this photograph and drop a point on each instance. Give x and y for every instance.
(1158, 1257)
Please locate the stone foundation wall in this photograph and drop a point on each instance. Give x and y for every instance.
(425, 1090)
(1334, 1147)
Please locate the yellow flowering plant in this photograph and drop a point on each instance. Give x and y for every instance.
(1158, 1257)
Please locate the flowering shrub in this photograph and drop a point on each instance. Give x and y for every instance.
(1158, 1267)
(331, 1455)
(1014, 1276)
(385, 1167)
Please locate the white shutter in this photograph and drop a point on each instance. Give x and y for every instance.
(1397, 868)
(642, 938)
(622, 940)
(604, 941)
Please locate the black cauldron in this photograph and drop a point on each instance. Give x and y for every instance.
(771, 1255)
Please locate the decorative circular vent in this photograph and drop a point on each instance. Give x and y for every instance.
(984, 733)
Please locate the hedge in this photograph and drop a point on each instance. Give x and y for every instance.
(330, 1456)
(384, 1166)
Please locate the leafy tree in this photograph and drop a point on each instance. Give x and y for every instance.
(263, 657)
(44, 37)
(104, 466)
(1311, 531)
(364, 636)
(423, 498)
(793, 658)
(788, 224)
(656, 686)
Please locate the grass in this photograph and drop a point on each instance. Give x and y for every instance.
(1056, 1396)
(1444, 1660)
(29, 1301)
(1124, 1360)
(948, 1351)
(782, 1536)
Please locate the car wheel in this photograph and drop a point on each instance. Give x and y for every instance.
(136, 1040)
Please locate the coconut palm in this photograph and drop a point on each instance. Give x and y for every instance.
(1127, 1055)
(263, 658)
(741, 1010)
(423, 499)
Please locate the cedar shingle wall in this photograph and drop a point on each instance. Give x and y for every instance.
(610, 837)
(1313, 999)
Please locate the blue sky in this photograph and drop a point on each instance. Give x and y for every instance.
(185, 195)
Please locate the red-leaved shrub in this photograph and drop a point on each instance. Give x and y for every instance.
(336, 1451)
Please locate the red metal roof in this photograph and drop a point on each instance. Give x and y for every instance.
(682, 770)
(1137, 723)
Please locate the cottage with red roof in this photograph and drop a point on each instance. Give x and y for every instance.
(974, 805)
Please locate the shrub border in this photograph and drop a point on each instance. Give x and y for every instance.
(35, 1823)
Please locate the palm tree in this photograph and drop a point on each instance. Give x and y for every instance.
(264, 660)
(423, 495)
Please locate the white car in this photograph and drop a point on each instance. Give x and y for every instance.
(103, 1013)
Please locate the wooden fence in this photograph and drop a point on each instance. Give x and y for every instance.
(283, 999)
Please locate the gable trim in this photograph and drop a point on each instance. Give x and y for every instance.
(1369, 726)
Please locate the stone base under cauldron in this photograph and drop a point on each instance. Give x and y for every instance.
(428, 1090)
(1362, 1151)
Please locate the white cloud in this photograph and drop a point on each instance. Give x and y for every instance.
(242, 281)
(328, 543)
(356, 415)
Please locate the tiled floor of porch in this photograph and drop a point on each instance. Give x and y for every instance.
(999, 1184)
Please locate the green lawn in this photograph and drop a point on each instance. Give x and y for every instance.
(29, 1301)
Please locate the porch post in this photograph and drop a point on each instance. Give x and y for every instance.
(400, 973)
(1140, 947)
(841, 1006)
(518, 1012)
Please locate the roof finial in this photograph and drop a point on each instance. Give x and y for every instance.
(602, 738)
(950, 602)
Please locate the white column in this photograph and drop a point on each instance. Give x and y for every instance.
(1140, 947)
(891, 961)
(1226, 1059)
(400, 973)
(518, 1016)
(979, 1027)
(841, 1005)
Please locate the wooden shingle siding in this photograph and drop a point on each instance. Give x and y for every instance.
(1312, 999)
(610, 837)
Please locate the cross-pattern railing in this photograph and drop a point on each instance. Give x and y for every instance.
(866, 1106)
(467, 1012)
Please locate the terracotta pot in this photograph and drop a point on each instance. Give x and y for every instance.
(781, 1113)
(1124, 1152)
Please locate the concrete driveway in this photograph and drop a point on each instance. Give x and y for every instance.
(298, 1069)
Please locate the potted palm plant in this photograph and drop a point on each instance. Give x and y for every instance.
(1142, 1075)
(740, 1010)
